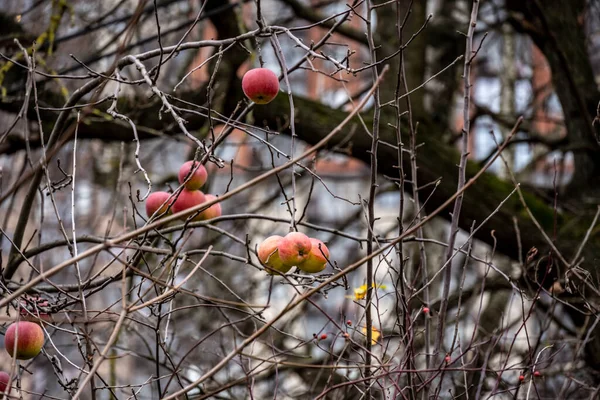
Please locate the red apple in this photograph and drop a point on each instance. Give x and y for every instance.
(188, 199)
(260, 85)
(294, 248)
(197, 178)
(213, 211)
(317, 258)
(157, 203)
(268, 254)
(4, 379)
(24, 340)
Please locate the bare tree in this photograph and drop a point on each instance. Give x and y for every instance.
(447, 152)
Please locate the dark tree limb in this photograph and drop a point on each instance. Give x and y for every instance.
(557, 30)
(437, 163)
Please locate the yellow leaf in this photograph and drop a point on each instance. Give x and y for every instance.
(375, 334)
(361, 291)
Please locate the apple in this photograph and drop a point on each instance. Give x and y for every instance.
(260, 85)
(24, 340)
(213, 211)
(157, 203)
(317, 258)
(188, 199)
(4, 379)
(268, 254)
(294, 248)
(198, 176)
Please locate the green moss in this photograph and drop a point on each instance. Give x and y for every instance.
(542, 212)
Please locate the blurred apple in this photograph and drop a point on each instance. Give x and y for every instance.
(4, 379)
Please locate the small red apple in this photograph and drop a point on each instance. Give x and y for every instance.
(158, 202)
(188, 199)
(24, 340)
(317, 258)
(323, 336)
(294, 248)
(213, 211)
(349, 322)
(521, 378)
(260, 85)
(4, 379)
(268, 254)
(197, 178)
(426, 310)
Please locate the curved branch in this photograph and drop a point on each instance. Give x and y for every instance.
(311, 15)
